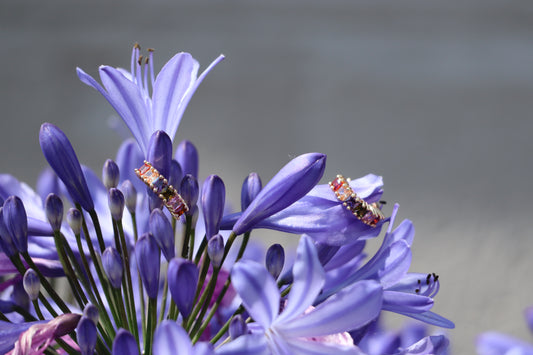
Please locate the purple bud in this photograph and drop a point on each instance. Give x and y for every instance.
(19, 296)
(32, 284)
(6, 242)
(148, 257)
(61, 156)
(110, 174)
(275, 258)
(176, 174)
(47, 183)
(53, 207)
(86, 332)
(189, 190)
(163, 233)
(290, 184)
(113, 266)
(91, 311)
(215, 249)
(125, 343)
(250, 188)
(182, 272)
(116, 203)
(160, 152)
(212, 204)
(16, 222)
(75, 220)
(187, 156)
(130, 195)
(237, 327)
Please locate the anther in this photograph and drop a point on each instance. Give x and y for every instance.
(137, 46)
(140, 60)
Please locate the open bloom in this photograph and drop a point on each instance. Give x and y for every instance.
(142, 111)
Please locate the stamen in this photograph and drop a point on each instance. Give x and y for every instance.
(138, 74)
(145, 79)
(151, 56)
(134, 54)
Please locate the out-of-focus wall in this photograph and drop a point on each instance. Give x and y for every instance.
(434, 96)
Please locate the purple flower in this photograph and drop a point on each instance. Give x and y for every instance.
(61, 156)
(125, 343)
(110, 174)
(53, 206)
(212, 204)
(129, 93)
(292, 330)
(16, 222)
(290, 184)
(163, 233)
(86, 335)
(113, 266)
(170, 339)
(182, 272)
(251, 187)
(187, 156)
(322, 216)
(148, 257)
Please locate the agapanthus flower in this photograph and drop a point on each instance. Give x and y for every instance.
(145, 101)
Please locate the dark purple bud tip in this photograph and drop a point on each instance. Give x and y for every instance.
(176, 174)
(86, 336)
(130, 195)
(250, 188)
(182, 272)
(148, 256)
(63, 160)
(125, 343)
(53, 207)
(110, 174)
(16, 222)
(163, 233)
(187, 156)
(215, 250)
(6, 242)
(91, 311)
(160, 152)
(116, 203)
(32, 284)
(275, 259)
(237, 327)
(113, 266)
(212, 204)
(189, 190)
(75, 220)
(290, 184)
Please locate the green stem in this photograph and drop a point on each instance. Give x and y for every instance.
(96, 223)
(150, 326)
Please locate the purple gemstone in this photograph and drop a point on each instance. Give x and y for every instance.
(159, 186)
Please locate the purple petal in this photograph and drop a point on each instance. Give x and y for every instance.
(306, 347)
(245, 345)
(212, 204)
(16, 222)
(125, 343)
(348, 309)
(258, 290)
(182, 272)
(308, 279)
(406, 302)
(86, 335)
(431, 318)
(148, 256)
(10, 332)
(290, 184)
(160, 152)
(428, 346)
(163, 233)
(169, 337)
(251, 187)
(187, 155)
(129, 158)
(493, 343)
(128, 101)
(47, 183)
(61, 156)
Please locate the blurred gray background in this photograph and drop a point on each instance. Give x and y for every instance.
(434, 96)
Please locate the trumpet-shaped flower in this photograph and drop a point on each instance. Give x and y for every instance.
(145, 112)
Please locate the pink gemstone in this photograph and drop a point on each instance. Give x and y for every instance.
(143, 169)
(337, 183)
(368, 218)
(344, 192)
(176, 205)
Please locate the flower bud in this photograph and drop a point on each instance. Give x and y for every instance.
(86, 336)
(215, 250)
(32, 284)
(148, 256)
(237, 327)
(160, 152)
(189, 190)
(19, 296)
(125, 343)
(163, 233)
(116, 203)
(212, 204)
(187, 156)
(16, 222)
(91, 311)
(130, 195)
(47, 183)
(250, 188)
(75, 220)
(110, 174)
(182, 272)
(113, 266)
(275, 258)
(53, 207)
(63, 160)
(6, 242)
(290, 184)
(176, 174)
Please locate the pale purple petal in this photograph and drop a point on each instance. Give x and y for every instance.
(170, 339)
(129, 157)
(245, 345)
(431, 345)
(10, 332)
(348, 309)
(493, 343)
(406, 302)
(430, 318)
(300, 346)
(308, 279)
(258, 291)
